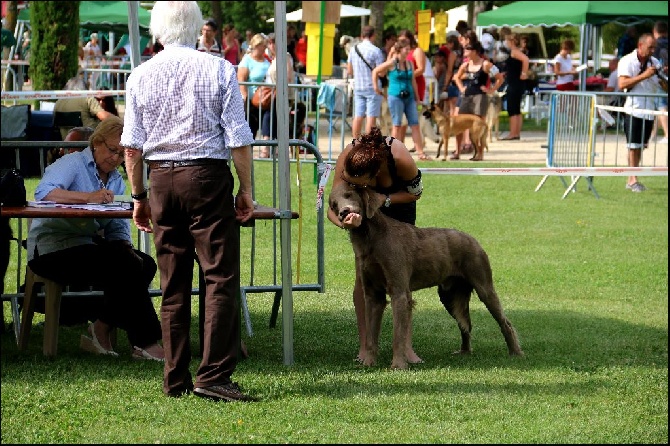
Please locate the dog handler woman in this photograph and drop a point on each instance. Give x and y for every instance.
(385, 165)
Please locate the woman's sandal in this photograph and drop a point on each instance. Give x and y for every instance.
(424, 157)
(140, 353)
(454, 157)
(92, 344)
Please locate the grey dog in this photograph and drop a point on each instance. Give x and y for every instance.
(397, 258)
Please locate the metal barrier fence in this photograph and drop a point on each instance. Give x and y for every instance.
(316, 277)
(583, 133)
(329, 101)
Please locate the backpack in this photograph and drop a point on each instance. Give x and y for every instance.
(12, 188)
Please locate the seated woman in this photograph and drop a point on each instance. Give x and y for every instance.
(97, 251)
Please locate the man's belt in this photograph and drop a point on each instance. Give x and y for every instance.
(186, 163)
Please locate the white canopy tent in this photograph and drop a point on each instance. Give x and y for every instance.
(345, 11)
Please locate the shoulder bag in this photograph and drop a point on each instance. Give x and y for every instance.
(384, 80)
(263, 97)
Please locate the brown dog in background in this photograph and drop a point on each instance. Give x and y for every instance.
(455, 125)
(493, 113)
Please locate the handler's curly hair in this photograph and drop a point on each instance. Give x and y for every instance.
(367, 153)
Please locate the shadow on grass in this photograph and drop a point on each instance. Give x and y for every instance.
(325, 343)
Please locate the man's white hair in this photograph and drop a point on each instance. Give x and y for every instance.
(176, 22)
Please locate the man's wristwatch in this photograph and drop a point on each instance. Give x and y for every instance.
(387, 202)
(141, 196)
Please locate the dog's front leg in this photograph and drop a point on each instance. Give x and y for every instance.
(446, 134)
(374, 310)
(402, 327)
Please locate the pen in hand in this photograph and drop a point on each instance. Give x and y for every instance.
(107, 195)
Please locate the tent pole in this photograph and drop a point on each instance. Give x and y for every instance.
(134, 39)
(323, 18)
(284, 183)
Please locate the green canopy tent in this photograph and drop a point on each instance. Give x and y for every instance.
(124, 41)
(105, 17)
(108, 18)
(588, 15)
(558, 13)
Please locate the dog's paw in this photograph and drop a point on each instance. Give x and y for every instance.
(462, 352)
(399, 365)
(368, 362)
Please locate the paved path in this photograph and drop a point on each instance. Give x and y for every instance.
(526, 150)
(610, 149)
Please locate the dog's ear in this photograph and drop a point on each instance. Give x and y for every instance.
(372, 201)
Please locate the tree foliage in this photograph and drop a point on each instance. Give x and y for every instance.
(55, 43)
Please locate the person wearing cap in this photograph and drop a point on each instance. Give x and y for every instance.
(93, 54)
(488, 42)
(92, 49)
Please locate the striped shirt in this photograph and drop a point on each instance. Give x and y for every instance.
(183, 104)
(362, 73)
(74, 172)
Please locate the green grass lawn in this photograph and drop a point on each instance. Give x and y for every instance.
(583, 280)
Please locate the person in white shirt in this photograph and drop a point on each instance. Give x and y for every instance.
(92, 55)
(637, 76)
(563, 69)
(367, 103)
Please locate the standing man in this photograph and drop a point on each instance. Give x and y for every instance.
(363, 58)
(637, 75)
(185, 117)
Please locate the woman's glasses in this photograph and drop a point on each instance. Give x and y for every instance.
(114, 150)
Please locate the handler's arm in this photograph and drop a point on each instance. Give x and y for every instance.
(141, 209)
(408, 172)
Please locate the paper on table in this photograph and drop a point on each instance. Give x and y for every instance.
(582, 67)
(114, 206)
(42, 204)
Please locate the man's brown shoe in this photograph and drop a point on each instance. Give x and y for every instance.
(223, 392)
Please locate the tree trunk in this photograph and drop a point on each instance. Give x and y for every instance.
(474, 8)
(377, 20)
(217, 15)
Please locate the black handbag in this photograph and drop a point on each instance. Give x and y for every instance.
(12, 188)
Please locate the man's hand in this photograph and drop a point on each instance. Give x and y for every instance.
(142, 215)
(244, 207)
